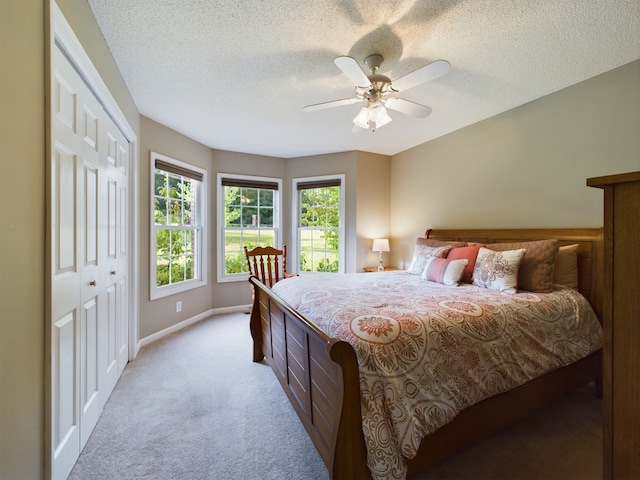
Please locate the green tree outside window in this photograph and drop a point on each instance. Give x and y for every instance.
(249, 215)
(176, 235)
(319, 229)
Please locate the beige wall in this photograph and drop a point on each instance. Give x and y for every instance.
(367, 199)
(23, 274)
(345, 163)
(161, 313)
(524, 168)
(22, 280)
(373, 206)
(237, 293)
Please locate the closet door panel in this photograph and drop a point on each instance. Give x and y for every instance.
(123, 324)
(92, 394)
(91, 397)
(117, 160)
(110, 343)
(65, 425)
(66, 269)
(64, 236)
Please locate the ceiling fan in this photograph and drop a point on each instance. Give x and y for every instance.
(378, 91)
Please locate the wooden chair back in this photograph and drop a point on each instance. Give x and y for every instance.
(267, 263)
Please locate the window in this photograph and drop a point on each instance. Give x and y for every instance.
(320, 235)
(249, 214)
(178, 236)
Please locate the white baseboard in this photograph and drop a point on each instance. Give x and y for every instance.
(189, 321)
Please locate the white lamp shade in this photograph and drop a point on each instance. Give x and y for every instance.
(379, 115)
(380, 245)
(372, 113)
(362, 119)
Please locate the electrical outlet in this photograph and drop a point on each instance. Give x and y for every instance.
(178, 306)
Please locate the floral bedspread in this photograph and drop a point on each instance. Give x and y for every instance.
(427, 351)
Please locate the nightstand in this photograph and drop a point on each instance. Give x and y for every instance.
(375, 269)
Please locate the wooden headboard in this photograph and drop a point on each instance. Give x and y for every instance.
(590, 251)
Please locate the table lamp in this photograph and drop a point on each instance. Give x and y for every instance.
(380, 245)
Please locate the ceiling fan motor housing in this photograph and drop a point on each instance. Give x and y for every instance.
(373, 62)
(379, 83)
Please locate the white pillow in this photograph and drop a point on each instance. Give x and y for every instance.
(442, 270)
(498, 270)
(421, 253)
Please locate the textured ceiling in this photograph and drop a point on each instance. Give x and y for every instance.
(234, 75)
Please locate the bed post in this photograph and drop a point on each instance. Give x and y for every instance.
(255, 325)
(350, 454)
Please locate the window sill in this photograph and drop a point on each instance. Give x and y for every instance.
(161, 292)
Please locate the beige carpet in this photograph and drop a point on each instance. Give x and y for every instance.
(194, 406)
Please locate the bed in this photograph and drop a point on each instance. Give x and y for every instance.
(320, 373)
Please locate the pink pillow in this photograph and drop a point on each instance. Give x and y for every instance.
(421, 253)
(443, 270)
(471, 254)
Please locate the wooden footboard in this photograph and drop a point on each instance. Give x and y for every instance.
(320, 376)
(493, 414)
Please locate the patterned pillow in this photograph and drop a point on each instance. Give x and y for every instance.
(536, 268)
(498, 270)
(443, 270)
(471, 254)
(421, 253)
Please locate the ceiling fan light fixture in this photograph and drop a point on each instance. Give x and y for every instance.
(379, 115)
(362, 119)
(376, 113)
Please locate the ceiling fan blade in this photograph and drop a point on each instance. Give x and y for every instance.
(409, 108)
(334, 103)
(351, 69)
(424, 74)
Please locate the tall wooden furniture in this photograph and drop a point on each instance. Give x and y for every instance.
(621, 315)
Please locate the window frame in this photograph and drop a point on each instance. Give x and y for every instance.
(200, 225)
(222, 276)
(295, 220)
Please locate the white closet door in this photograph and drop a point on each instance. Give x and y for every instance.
(116, 238)
(67, 242)
(89, 267)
